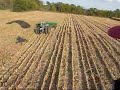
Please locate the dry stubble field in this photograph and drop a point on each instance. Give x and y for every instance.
(77, 55)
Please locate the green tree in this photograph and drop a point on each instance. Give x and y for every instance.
(24, 5)
(6, 4)
(116, 13)
(53, 8)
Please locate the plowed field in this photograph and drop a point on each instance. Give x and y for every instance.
(77, 55)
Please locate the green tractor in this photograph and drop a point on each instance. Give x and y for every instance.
(45, 27)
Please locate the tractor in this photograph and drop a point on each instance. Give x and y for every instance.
(44, 27)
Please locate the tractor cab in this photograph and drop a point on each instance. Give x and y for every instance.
(41, 25)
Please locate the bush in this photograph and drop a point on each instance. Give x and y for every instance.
(5, 4)
(25, 5)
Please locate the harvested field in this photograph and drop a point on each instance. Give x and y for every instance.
(77, 55)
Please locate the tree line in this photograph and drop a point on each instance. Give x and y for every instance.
(26, 5)
(71, 8)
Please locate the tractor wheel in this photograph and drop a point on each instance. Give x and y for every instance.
(36, 31)
(47, 30)
(55, 27)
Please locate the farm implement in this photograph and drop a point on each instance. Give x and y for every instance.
(44, 27)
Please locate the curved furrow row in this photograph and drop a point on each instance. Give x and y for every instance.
(23, 60)
(90, 74)
(110, 65)
(39, 52)
(93, 58)
(76, 70)
(55, 74)
(79, 75)
(94, 71)
(68, 83)
(103, 71)
(108, 54)
(105, 21)
(97, 23)
(99, 31)
(85, 76)
(24, 65)
(37, 59)
(111, 54)
(111, 46)
(111, 61)
(100, 25)
(77, 55)
(56, 71)
(22, 52)
(91, 62)
(17, 64)
(63, 73)
(37, 78)
(46, 82)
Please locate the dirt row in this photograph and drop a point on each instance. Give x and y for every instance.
(77, 55)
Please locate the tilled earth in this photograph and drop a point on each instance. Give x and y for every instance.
(77, 55)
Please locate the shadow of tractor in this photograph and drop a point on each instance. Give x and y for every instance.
(22, 23)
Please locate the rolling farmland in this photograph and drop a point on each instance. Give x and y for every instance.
(77, 55)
